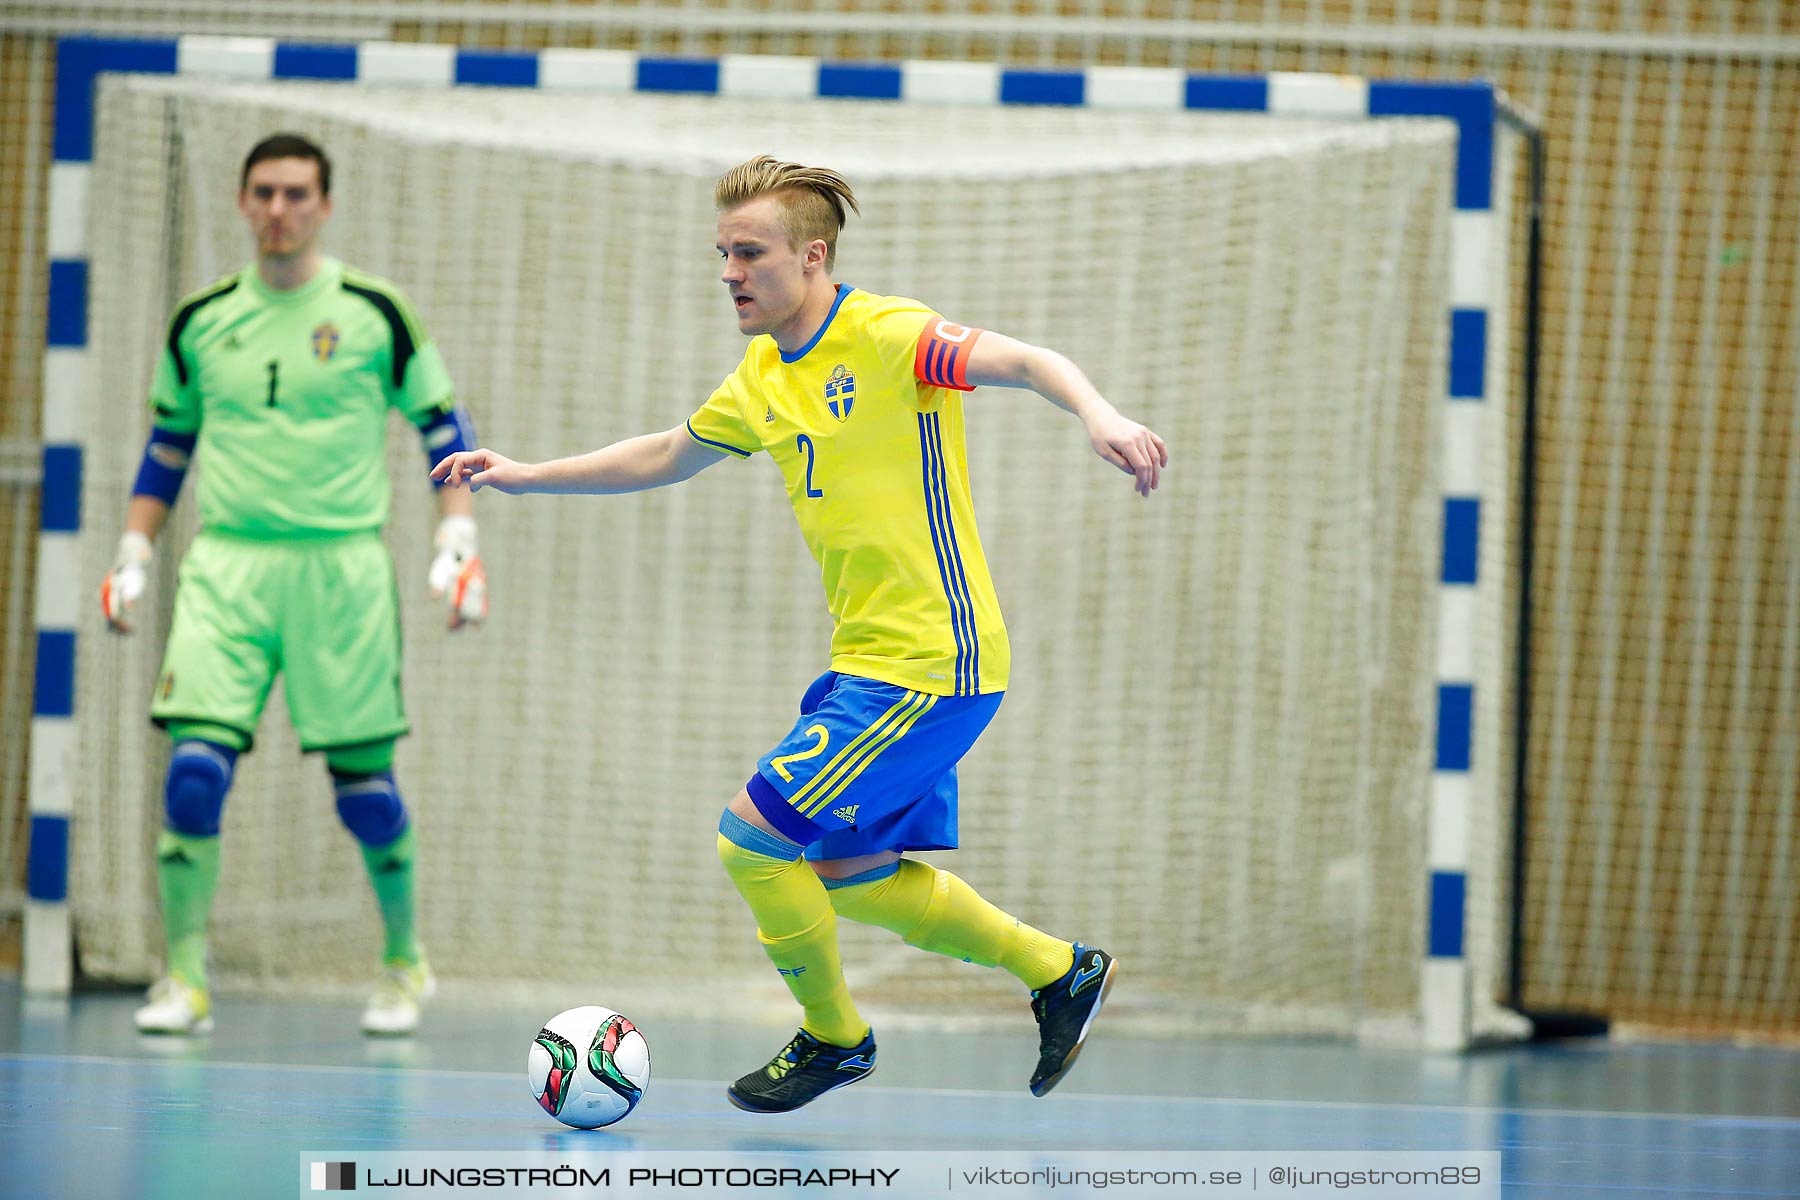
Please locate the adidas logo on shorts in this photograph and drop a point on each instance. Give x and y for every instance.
(846, 814)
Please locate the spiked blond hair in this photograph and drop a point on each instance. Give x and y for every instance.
(813, 199)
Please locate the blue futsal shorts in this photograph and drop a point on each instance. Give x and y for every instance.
(869, 767)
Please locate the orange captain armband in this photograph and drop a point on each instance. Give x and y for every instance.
(942, 358)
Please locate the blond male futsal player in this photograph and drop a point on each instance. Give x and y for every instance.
(856, 398)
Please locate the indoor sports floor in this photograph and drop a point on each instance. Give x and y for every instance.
(88, 1108)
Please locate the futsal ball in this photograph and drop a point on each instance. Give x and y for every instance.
(588, 1067)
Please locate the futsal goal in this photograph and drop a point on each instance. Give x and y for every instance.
(1230, 752)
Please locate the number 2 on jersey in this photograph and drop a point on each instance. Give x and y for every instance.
(805, 445)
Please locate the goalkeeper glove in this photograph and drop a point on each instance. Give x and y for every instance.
(120, 590)
(457, 575)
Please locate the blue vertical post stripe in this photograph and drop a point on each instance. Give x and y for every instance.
(59, 510)
(1468, 353)
(1448, 893)
(53, 694)
(1462, 539)
(66, 307)
(47, 862)
(1456, 705)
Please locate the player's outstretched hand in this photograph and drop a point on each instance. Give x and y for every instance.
(481, 468)
(1131, 447)
(125, 583)
(457, 576)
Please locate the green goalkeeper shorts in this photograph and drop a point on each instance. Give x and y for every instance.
(323, 612)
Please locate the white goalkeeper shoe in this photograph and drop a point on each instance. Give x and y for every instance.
(393, 1008)
(175, 1008)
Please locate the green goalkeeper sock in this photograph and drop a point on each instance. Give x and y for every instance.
(391, 872)
(187, 872)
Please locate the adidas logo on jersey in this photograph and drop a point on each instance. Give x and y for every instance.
(769, 415)
(846, 814)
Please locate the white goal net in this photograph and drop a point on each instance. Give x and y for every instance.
(1215, 756)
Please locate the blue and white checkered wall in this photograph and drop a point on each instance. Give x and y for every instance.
(64, 601)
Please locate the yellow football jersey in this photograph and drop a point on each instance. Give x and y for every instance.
(875, 467)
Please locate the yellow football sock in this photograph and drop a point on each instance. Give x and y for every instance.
(936, 911)
(796, 925)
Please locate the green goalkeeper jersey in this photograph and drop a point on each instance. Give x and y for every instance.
(289, 394)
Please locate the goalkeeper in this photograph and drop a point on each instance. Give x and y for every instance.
(857, 399)
(279, 378)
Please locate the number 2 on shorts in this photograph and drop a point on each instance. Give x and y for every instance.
(818, 747)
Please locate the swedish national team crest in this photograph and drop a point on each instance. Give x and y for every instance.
(840, 392)
(325, 341)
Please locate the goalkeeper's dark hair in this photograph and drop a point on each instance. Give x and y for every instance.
(287, 145)
(814, 200)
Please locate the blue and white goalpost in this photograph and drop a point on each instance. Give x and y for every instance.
(1444, 808)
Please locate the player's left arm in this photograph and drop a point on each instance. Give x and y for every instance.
(417, 382)
(1000, 361)
(457, 575)
(421, 389)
